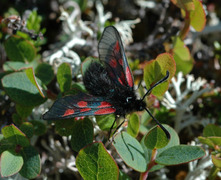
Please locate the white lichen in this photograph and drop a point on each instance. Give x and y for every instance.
(181, 104)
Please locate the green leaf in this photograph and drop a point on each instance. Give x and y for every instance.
(212, 130)
(23, 111)
(82, 134)
(17, 120)
(216, 161)
(45, 73)
(15, 66)
(28, 129)
(82, 4)
(215, 140)
(18, 49)
(207, 141)
(64, 127)
(213, 173)
(156, 138)
(156, 69)
(187, 5)
(133, 125)
(75, 89)
(32, 165)
(39, 127)
(31, 76)
(19, 88)
(95, 163)
(87, 63)
(5, 144)
(198, 16)
(15, 136)
(174, 140)
(34, 21)
(123, 176)
(180, 154)
(64, 77)
(105, 122)
(130, 150)
(181, 54)
(10, 163)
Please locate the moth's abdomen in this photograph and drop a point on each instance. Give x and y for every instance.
(97, 81)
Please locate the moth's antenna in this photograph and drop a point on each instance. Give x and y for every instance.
(161, 126)
(156, 84)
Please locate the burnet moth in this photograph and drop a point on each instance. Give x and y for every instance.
(109, 83)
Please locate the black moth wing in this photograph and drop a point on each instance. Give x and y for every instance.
(111, 53)
(77, 106)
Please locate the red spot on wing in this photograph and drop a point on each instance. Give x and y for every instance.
(122, 77)
(117, 47)
(129, 77)
(68, 112)
(113, 63)
(82, 104)
(104, 104)
(105, 111)
(85, 109)
(119, 80)
(121, 62)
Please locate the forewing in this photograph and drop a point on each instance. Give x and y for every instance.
(111, 52)
(78, 106)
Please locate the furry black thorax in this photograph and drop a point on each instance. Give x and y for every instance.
(123, 98)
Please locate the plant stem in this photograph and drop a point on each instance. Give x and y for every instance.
(152, 163)
(186, 27)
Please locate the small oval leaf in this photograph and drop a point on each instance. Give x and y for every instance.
(156, 69)
(212, 130)
(15, 136)
(156, 138)
(82, 134)
(105, 122)
(19, 49)
(181, 54)
(64, 127)
(23, 111)
(174, 140)
(39, 127)
(28, 129)
(206, 141)
(198, 16)
(216, 161)
(95, 163)
(20, 89)
(180, 154)
(32, 165)
(86, 63)
(133, 125)
(64, 77)
(15, 66)
(187, 5)
(31, 76)
(10, 163)
(130, 150)
(45, 73)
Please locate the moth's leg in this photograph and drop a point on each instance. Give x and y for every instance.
(112, 126)
(117, 128)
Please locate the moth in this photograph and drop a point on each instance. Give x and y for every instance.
(109, 83)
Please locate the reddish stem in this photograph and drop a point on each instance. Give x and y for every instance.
(51, 95)
(152, 163)
(186, 27)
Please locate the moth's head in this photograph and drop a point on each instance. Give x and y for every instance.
(140, 105)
